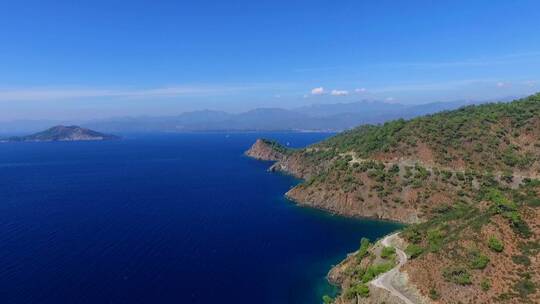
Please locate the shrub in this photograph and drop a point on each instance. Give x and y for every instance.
(412, 234)
(364, 247)
(530, 248)
(534, 202)
(435, 239)
(414, 250)
(374, 270)
(521, 259)
(520, 227)
(394, 169)
(495, 244)
(327, 299)
(525, 287)
(485, 285)
(442, 208)
(360, 290)
(457, 275)
(502, 204)
(433, 294)
(479, 261)
(388, 252)
(508, 209)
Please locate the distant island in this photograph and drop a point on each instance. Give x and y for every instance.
(63, 133)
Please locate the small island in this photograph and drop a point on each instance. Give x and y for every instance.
(63, 133)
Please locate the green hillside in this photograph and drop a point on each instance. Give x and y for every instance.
(466, 180)
(499, 136)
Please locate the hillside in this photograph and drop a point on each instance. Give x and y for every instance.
(64, 133)
(467, 182)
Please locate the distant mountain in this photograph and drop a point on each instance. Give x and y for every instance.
(327, 117)
(322, 117)
(63, 133)
(362, 107)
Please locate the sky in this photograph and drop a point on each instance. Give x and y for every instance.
(95, 59)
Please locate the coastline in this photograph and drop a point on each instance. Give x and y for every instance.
(261, 152)
(343, 214)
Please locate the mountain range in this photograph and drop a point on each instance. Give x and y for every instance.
(324, 117)
(320, 117)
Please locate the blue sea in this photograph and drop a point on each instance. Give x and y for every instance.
(182, 218)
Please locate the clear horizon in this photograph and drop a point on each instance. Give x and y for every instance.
(63, 61)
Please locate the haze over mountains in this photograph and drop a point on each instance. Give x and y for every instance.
(320, 117)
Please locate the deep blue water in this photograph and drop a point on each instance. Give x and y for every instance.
(162, 219)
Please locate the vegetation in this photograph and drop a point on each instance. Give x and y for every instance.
(492, 127)
(458, 275)
(521, 259)
(360, 290)
(478, 260)
(388, 252)
(459, 171)
(495, 244)
(413, 250)
(374, 270)
(276, 146)
(364, 247)
(434, 294)
(525, 286)
(327, 299)
(370, 261)
(435, 239)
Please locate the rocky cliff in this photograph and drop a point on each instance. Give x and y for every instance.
(468, 182)
(326, 194)
(264, 149)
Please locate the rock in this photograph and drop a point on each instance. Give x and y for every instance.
(264, 149)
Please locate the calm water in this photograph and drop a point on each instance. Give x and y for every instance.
(162, 219)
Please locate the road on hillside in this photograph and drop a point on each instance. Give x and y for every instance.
(384, 281)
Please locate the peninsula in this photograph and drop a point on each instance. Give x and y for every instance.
(467, 183)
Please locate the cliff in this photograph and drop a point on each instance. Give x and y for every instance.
(326, 195)
(264, 149)
(466, 180)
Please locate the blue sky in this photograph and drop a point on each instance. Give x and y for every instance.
(90, 59)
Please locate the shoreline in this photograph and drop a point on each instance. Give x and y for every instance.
(343, 215)
(273, 159)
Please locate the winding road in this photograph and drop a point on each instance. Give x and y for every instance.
(384, 281)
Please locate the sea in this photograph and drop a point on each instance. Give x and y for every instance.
(163, 218)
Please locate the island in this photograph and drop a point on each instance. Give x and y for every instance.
(63, 133)
(466, 183)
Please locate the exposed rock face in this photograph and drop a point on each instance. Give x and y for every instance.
(64, 133)
(264, 150)
(347, 204)
(325, 197)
